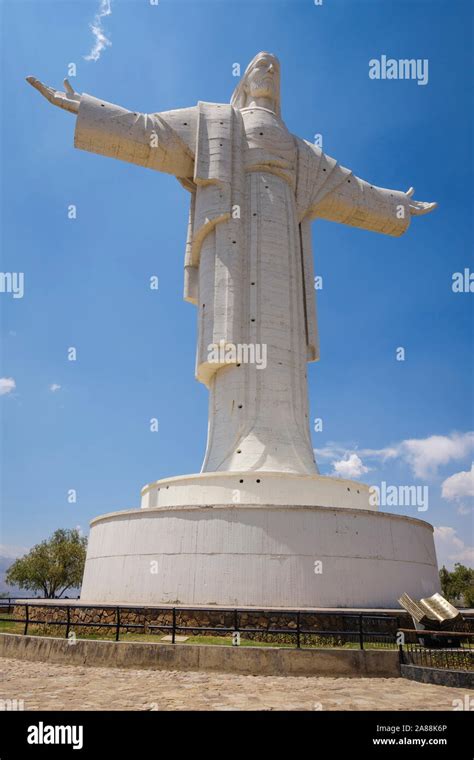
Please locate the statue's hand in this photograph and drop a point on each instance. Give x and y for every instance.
(419, 207)
(68, 100)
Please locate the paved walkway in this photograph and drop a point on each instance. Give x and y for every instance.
(43, 686)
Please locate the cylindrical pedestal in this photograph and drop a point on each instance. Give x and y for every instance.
(259, 555)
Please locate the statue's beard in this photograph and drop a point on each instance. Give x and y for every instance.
(263, 88)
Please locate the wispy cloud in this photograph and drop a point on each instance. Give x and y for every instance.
(7, 385)
(54, 387)
(423, 455)
(101, 41)
(426, 455)
(460, 488)
(450, 548)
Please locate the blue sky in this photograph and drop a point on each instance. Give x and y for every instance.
(86, 280)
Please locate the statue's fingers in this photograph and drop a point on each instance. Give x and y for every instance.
(420, 207)
(46, 91)
(410, 192)
(35, 83)
(69, 89)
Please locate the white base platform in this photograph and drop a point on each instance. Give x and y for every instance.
(259, 555)
(259, 488)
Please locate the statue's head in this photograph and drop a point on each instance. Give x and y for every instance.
(260, 80)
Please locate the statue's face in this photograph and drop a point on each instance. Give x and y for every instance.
(261, 80)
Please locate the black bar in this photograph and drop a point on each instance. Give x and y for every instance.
(173, 632)
(64, 622)
(117, 632)
(361, 635)
(68, 622)
(298, 631)
(26, 621)
(203, 609)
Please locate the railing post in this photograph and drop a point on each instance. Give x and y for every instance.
(68, 621)
(361, 635)
(298, 642)
(117, 630)
(26, 620)
(173, 630)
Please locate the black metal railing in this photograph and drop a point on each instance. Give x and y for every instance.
(303, 627)
(447, 649)
(450, 650)
(9, 601)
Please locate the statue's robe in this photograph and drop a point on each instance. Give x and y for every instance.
(255, 189)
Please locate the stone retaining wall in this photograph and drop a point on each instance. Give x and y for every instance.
(244, 660)
(462, 679)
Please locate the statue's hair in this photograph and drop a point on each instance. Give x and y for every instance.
(240, 94)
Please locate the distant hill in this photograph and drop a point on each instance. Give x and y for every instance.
(5, 562)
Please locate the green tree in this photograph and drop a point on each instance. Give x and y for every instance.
(52, 566)
(458, 584)
(445, 582)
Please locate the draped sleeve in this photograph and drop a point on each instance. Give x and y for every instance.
(157, 141)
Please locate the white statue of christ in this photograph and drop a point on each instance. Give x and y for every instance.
(255, 188)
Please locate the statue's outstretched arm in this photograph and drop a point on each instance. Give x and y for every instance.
(162, 142)
(359, 204)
